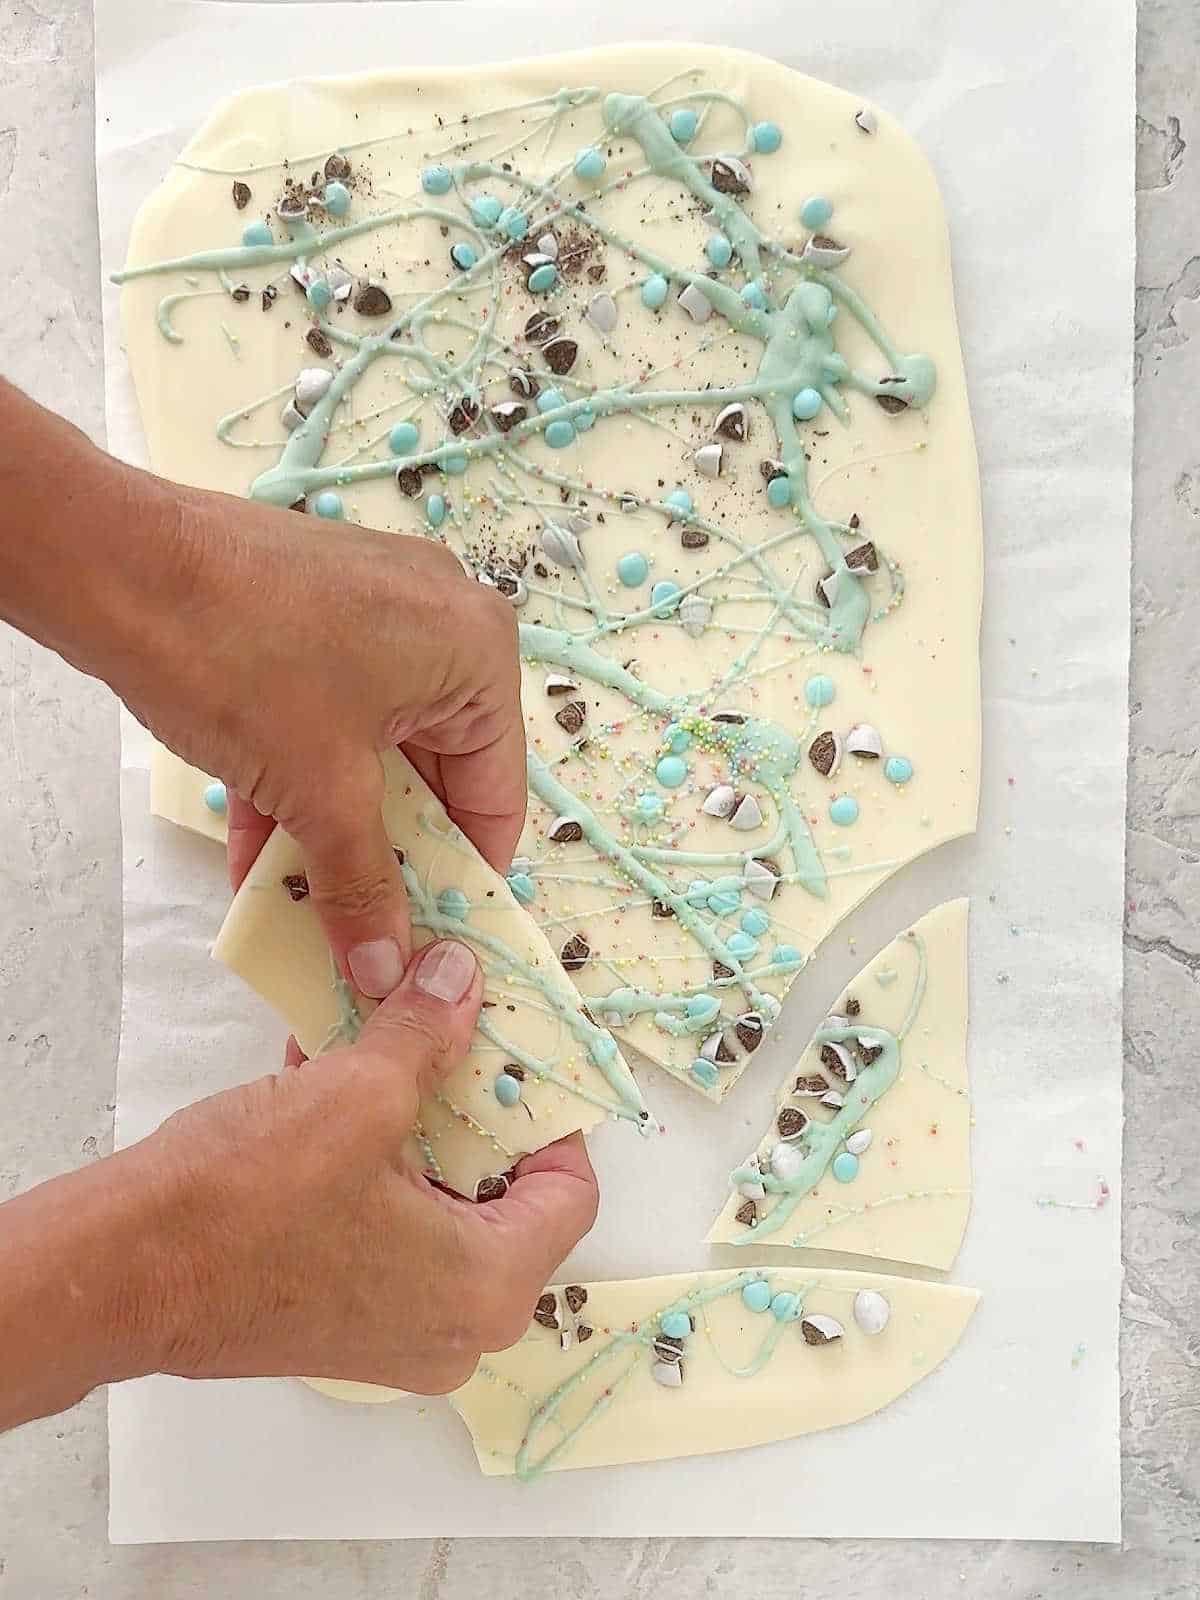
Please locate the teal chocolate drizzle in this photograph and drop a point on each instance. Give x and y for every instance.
(784, 304)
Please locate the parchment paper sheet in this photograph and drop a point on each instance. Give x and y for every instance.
(1027, 112)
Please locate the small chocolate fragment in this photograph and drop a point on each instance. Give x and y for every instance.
(337, 168)
(372, 300)
(893, 404)
(507, 414)
(863, 558)
(575, 953)
(557, 684)
(810, 1086)
(317, 341)
(735, 717)
(853, 1007)
(292, 207)
(299, 505)
(660, 908)
(545, 1313)
(771, 470)
(723, 1054)
(560, 355)
(493, 1187)
(868, 1052)
(721, 971)
(565, 830)
(749, 1029)
(296, 885)
(268, 296)
(576, 1297)
(241, 194)
(408, 481)
(462, 416)
(629, 501)
(732, 422)
(729, 176)
(513, 1069)
(523, 383)
(571, 716)
(583, 1333)
(819, 1330)
(693, 538)
(791, 1122)
(668, 1348)
(746, 1213)
(832, 1061)
(541, 327)
(241, 292)
(825, 752)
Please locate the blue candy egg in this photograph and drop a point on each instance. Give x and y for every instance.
(675, 1324)
(550, 400)
(633, 568)
(463, 255)
(257, 233)
(719, 250)
(755, 922)
(453, 903)
(765, 138)
(560, 434)
(655, 291)
(755, 296)
(676, 739)
(779, 491)
(328, 504)
(590, 164)
(436, 180)
(506, 1089)
(844, 810)
(662, 595)
(513, 222)
(845, 1166)
(785, 1306)
(486, 209)
(819, 691)
(435, 510)
(741, 945)
(403, 438)
(816, 211)
(522, 887)
(786, 955)
(683, 123)
(671, 771)
(543, 278)
(704, 1072)
(756, 1296)
(650, 806)
(680, 500)
(806, 404)
(337, 199)
(585, 419)
(454, 466)
(216, 799)
(897, 769)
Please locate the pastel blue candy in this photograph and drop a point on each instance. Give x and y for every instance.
(585, 419)
(436, 180)
(845, 1166)
(318, 294)
(786, 955)
(655, 291)
(683, 122)
(806, 404)
(816, 211)
(681, 500)
(257, 233)
(766, 138)
(560, 434)
(633, 568)
(677, 739)
(453, 903)
(702, 1008)
(897, 769)
(755, 922)
(675, 1324)
(454, 466)
(704, 1072)
(216, 799)
(756, 1296)
(755, 296)
(337, 199)
(522, 887)
(506, 1089)
(590, 164)
(698, 891)
(819, 691)
(779, 491)
(543, 277)
(329, 504)
(603, 1049)
(785, 1305)
(435, 510)
(463, 256)
(723, 903)
(661, 596)
(741, 945)
(486, 209)
(403, 438)
(650, 806)
(550, 400)
(844, 810)
(513, 222)
(671, 771)
(719, 250)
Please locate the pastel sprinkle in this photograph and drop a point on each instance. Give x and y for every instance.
(844, 810)
(756, 1296)
(522, 887)
(463, 256)
(216, 799)
(683, 124)
(543, 278)
(633, 568)
(506, 1088)
(816, 211)
(590, 164)
(671, 771)
(403, 438)
(337, 199)
(806, 404)
(765, 137)
(819, 691)
(328, 504)
(779, 491)
(436, 180)
(257, 233)
(845, 1166)
(675, 1324)
(435, 510)
(719, 250)
(897, 769)
(560, 434)
(453, 903)
(655, 291)
(704, 1073)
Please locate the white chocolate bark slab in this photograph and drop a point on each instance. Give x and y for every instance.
(906, 1195)
(748, 1378)
(572, 1072)
(746, 632)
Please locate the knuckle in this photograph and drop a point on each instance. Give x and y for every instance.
(354, 893)
(446, 1372)
(500, 1318)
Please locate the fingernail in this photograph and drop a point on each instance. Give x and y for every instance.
(446, 970)
(376, 966)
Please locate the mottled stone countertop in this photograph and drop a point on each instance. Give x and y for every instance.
(59, 958)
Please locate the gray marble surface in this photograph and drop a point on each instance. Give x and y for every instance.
(59, 957)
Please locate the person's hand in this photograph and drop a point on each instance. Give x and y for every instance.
(298, 1241)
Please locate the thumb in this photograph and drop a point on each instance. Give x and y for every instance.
(550, 1205)
(424, 1026)
(356, 886)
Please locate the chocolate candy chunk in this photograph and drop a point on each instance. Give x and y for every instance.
(560, 355)
(746, 1213)
(494, 1187)
(824, 752)
(523, 383)
(293, 206)
(735, 717)
(268, 296)
(723, 1054)
(317, 341)
(868, 1052)
(893, 404)
(337, 168)
(507, 414)
(810, 1086)
(541, 327)
(241, 292)
(853, 1007)
(571, 716)
(863, 558)
(771, 470)
(408, 481)
(462, 416)
(832, 1061)
(546, 1311)
(511, 1069)
(749, 1029)
(721, 971)
(398, 853)
(732, 422)
(693, 538)
(299, 505)
(296, 885)
(241, 194)
(565, 830)
(791, 1122)
(667, 1348)
(660, 908)
(583, 1333)
(730, 177)
(576, 1297)
(575, 953)
(372, 300)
